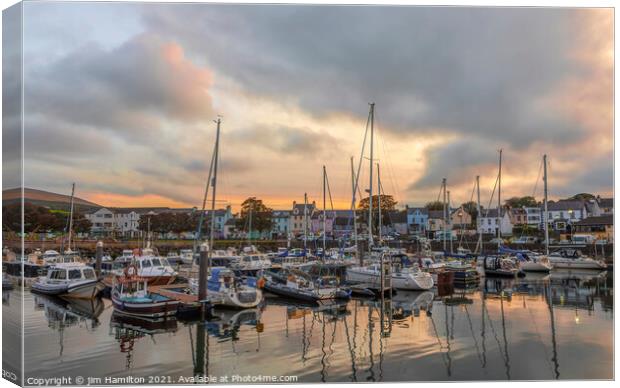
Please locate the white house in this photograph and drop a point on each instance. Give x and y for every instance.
(569, 211)
(487, 223)
(102, 221)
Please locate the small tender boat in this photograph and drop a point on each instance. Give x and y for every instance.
(501, 266)
(573, 259)
(226, 290)
(73, 280)
(130, 296)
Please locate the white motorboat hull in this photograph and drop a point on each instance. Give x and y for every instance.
(235, 299)
(402, 281)
(86, 290)
(561, 262)
(412, 281)
(532, 266)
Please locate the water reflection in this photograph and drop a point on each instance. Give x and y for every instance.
(495, 331)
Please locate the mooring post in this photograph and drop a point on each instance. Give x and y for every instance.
(98, 257)
(202, 278)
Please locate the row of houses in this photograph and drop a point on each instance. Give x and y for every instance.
(302, 218)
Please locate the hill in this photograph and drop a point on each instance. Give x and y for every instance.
(47, 199)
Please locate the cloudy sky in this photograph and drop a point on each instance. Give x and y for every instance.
(121, 98)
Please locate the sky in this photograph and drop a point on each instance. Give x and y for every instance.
(121, 98)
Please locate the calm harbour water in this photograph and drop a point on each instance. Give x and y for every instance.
(542, 327)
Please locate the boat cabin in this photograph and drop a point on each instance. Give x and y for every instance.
(62, 273)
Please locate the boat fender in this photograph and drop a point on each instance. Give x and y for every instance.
(261, 282)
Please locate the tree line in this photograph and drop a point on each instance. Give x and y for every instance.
(40, 219)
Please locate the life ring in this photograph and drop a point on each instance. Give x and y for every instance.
(260, 283)
(131, 271)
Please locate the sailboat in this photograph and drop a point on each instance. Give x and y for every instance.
(532, 262)
(224, 288)
(500, 265)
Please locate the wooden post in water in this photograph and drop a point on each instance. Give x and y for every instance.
(98, 257)
(202, 278)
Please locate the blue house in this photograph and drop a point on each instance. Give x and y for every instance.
(417, 219)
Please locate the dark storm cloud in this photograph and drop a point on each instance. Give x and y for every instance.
(475, 71)
(127, 90)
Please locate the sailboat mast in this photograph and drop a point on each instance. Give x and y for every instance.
(499, 202)
(353, 206)
(479, 213)
(71, 217)
(546, 215)
(372, 134)
(305, 221)
(449, 226)
(379, 201)
(214, 184)
(443, 188)
(324, 213)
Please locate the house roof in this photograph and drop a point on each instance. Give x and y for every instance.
(491, 213)
(437, 214)
(599, 220)
(564, 205)
(298, 209)
(281, 213)
(421, 210)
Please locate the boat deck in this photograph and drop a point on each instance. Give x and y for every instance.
(170, 291)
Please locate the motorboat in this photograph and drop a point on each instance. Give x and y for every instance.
(300, 285)
(251, 264)
(72, 280)
(530, 261)
(126, 256)
(186, 256)
(570, 258)
(404, 278)
(501, 266)
(156, 270)
(227, 290)
(130, 296)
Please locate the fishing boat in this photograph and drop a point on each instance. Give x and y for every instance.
(300, 285)
(72, 280)
(569, 258)
(156, 270)
(130, 296)
(501, 266)
(227, 290)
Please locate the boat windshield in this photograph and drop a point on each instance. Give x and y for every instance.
(165, 263)
(75, 274)
(89, 273)
(156, 262)
(146, 263)
(58, 274)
